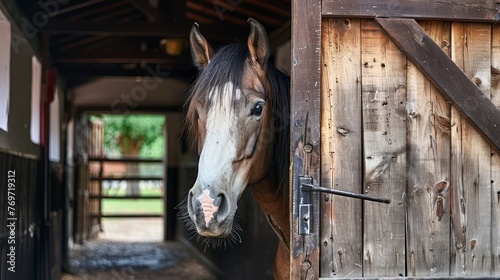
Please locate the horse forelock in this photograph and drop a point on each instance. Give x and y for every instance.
(225, 67)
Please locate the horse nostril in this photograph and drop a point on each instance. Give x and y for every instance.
(190, 202)
(221, 202)
(218, 200)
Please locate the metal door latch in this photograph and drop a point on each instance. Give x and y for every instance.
(305, 200)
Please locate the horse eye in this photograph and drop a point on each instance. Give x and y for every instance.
(257, 110)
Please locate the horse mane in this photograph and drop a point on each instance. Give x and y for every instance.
(227, 65)
(280, 86)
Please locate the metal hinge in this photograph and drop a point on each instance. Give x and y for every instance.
(306, 186)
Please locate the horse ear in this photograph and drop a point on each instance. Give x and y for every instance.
(258, 43)
(201, 51)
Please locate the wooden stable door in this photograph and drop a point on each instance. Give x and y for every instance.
(401, 109)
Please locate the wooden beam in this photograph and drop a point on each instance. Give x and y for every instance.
(86, 71)
(177, 11)
(199, 18)
(120, 57)
(97, 10)
(227, 6)
(117, 15)
(455, 86)
(208, 9)
(137, 29)
(85, 41)
(148, 10)
(449, 10)
(74, 7)
(280, 36)
(305, 142)
(271, 6)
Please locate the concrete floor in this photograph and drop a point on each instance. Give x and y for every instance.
(132, 230)
(133, 250)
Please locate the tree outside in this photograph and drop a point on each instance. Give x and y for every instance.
(136, 136)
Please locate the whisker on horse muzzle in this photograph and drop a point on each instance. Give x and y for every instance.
(233, 237)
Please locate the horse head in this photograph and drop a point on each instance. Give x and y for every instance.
(231, 120)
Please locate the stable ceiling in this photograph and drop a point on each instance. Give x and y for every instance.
(108, 38)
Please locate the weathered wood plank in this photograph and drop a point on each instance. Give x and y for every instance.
(445, 74)
(458, 192)
(428, 128)
(384, 117)
(341, 152)
(305, 130)
(455, 10)
(495, 159)
(471, 48)
(477, 156)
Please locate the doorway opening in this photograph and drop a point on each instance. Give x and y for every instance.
(127, 176)
(124, 203)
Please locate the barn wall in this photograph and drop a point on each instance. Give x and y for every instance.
(17, 139)
(387, 131)
(19, 154)
(27, 227)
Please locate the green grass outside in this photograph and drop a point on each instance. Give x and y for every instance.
(133, 206)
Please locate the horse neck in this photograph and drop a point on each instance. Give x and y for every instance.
(274, 202)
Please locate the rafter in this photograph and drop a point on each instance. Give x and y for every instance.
(270, 7)
(218, 15)
(137, 29)
(119, 57)
(94, 42)
(246, 12)
(197, 17)
(74, 7)
(84, 71)
(280, 36)
(148, 10)
(95, 11)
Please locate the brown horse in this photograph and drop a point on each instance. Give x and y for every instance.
(238, 118)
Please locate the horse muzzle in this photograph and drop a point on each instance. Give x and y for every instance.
(210, 211)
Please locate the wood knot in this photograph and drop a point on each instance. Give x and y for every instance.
(445, 44)
(308, 148)
(342, 131)
(440, 121)
(472, 243)
(413, 114)
(495, 76)
(477, 81)
(441, 186)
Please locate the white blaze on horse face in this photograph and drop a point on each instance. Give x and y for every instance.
(208, 206)
(221, 141)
